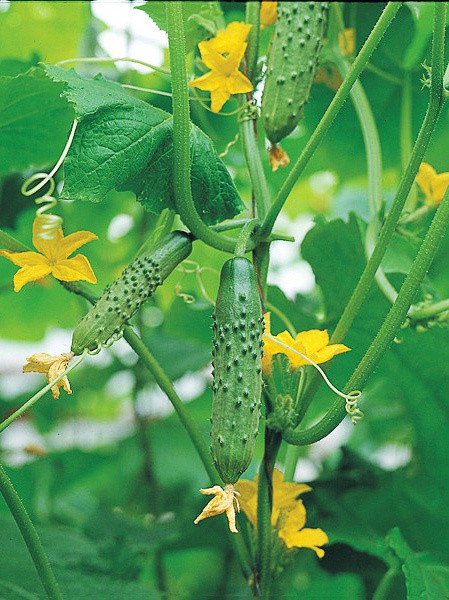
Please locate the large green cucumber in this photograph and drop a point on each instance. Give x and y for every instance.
(292, 62)
(237, 385)
(126, 294)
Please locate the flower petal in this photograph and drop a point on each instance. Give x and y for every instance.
(209, 82)
(247, 491)
(27, 274)
(306, 538)
(440, 185)
(211, 58)
(72, 242)
(237, 83)
(25, 259)
(74, 269)
(48, 247)
(425, 177)
(39, 363)
(268, 13)
(227, 39)
(218, 98)
(329, 352)
(313, 340)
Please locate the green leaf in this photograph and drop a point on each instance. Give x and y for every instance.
(422, 13)
(34, 122)
(201, 19)
(126, 144)
(424, 579)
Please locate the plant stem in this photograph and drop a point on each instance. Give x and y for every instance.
(264, 507)
(245, 236)
(11, 243)
(252, 51)
(384, 588)
(368, 48)
(111, 61)
(29, 403)
(422, 141)
(386, 333)
(167, 387)
(30, 537)
(181, 135)
(428, 311)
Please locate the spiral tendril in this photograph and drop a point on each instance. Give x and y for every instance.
(47, 224)
(197, 271)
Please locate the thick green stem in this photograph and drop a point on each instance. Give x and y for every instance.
(252, 52)
(383, 590)
(244, 237)
(167, 387)
(30, 537)
(181, 135)
(264, 508)
(254, 164)
(11, 243)
(359, 64)
(406, 135)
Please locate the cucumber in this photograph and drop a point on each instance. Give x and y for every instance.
(292, 62)
(237, 372)
(126, 294)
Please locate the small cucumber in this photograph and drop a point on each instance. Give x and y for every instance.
(291, 67)
(126, 294)
(237, 384)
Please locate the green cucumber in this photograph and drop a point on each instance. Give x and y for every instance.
(292, 62)
(126, 294)
(237, 372)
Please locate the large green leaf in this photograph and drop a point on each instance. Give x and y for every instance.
(201, 19)
(34, 122)
(124, 143)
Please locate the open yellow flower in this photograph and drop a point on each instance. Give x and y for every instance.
(53, 366)
(313, 343)
(288, 514)
(228, 39)
(224, 79)
(346, 41)
(52, 258)
(268, 13)
(432, 184)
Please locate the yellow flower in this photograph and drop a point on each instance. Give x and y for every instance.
(313, 343)
(278, 157)
(52, 258)
(224, 501)
(53, 366)
(288, 514)
(224, 79)
(268, 13)
(432, 184)
(346, 41)
(228, 39)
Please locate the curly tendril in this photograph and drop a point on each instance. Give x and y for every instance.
(47, 223)
(197, 271)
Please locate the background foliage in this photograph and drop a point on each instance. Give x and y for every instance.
(107, 473)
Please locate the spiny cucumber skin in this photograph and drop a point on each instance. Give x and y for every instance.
(127, 293)
(237, 373)
(292, 63)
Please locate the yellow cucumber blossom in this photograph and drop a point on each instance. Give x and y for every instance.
(288, 515)
(346, 41)
(53, 366)
(314, 344)
(432, 184)
(224, 501)
(224, 79)
(268, 13)
(52, 258)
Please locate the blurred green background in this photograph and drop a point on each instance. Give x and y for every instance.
(108, 473)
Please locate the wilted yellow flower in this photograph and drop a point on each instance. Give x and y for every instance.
(52, 258)
(53, 366)
(288, 515)
(224, 79)
(228, 39)
(224, 501)
(313, 343)
(268, 13)
(278, 157)
(432, 184)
